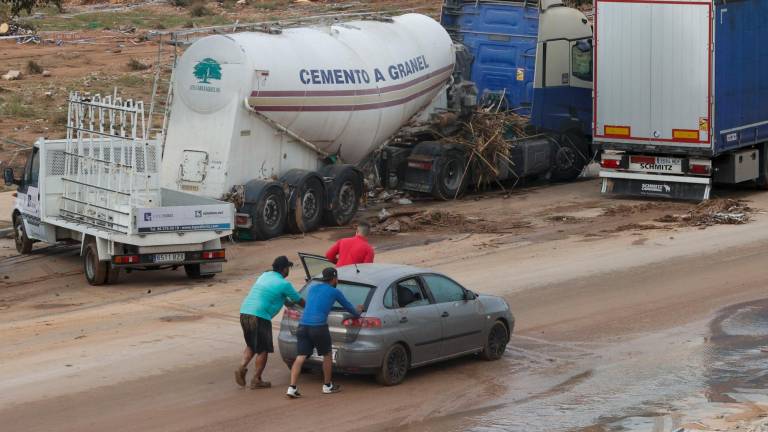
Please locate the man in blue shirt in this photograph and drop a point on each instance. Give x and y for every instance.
(262, 303)
(313, 333)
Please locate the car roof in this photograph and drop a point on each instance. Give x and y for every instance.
(378, 274)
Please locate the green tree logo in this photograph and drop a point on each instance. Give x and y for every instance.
(207, 69)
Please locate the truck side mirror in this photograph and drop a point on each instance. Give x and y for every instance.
(8, 177)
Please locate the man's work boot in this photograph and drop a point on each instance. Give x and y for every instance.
(256, 383)
(240, 376)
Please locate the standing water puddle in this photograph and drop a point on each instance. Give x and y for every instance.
(660, 382)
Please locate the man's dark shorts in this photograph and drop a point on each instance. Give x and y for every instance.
(313, 337)
(257, 333)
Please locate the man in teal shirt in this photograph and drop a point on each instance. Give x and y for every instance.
(259, 307)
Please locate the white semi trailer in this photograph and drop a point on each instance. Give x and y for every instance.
(283, 115)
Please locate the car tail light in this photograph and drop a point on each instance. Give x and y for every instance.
(292, 314)
(217, 254)
(422, 165)
(362, 322)
(126, 259)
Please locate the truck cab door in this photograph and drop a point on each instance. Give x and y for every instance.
(28, 197)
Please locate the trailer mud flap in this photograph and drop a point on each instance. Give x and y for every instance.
(657, 189)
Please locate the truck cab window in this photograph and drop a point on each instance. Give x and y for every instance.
(581, 60)
(34, 171)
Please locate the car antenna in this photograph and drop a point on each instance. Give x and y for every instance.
(357, 269)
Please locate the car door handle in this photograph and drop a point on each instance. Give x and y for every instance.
(404, 319)
(445, 314)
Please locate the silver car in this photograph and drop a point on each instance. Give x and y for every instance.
(413, 317)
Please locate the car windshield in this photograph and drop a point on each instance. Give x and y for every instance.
(356, 294)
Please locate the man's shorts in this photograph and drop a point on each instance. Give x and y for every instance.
(310, 338)
(257, 333)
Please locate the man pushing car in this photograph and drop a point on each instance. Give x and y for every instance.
(261, 304)
(313, 333)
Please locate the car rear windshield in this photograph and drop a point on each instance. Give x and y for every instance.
(356, 294)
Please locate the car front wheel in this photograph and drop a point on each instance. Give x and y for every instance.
(394, 367)
(496, 343)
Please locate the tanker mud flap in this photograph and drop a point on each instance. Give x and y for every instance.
(656, 186)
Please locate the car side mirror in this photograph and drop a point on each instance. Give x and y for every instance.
(469, 295)
(8, 177)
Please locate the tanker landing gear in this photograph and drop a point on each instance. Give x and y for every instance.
(331, 196)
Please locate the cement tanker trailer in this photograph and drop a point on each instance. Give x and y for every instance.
(284, 115)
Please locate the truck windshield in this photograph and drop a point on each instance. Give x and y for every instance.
(355, 293)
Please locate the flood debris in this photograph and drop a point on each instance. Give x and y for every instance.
(486, 142)
(712, 212)
(12, 75)
(397, 221)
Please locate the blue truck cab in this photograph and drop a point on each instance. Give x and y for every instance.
(533, 58)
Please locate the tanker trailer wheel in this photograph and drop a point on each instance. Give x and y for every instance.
(265, 203)
(344, 194)
(306, 202)
(451, 176)
(571, 155)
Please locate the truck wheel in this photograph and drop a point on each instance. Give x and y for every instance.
(570, 157)
(497, 341)
(394, 367)
(23, 243)
(193, 272)
(268, 213)
(95, 270)
(308, 204)
(346, 192)
(450, 180)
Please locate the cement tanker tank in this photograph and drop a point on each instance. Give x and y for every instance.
(288, 105)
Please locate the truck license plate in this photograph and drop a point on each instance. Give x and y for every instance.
(314, 355)
(655, 164)
(667, 161)
(169, 257)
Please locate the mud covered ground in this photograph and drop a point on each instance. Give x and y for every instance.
(618, 328)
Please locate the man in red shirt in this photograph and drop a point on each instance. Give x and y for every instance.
(352, 250)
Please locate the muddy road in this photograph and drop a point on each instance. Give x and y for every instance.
(623, 323)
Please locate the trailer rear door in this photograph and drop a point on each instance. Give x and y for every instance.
(653, 72)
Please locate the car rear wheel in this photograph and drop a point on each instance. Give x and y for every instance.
(394, 367)
(496, 343)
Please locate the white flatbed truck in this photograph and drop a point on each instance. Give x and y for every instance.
(100, 187)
